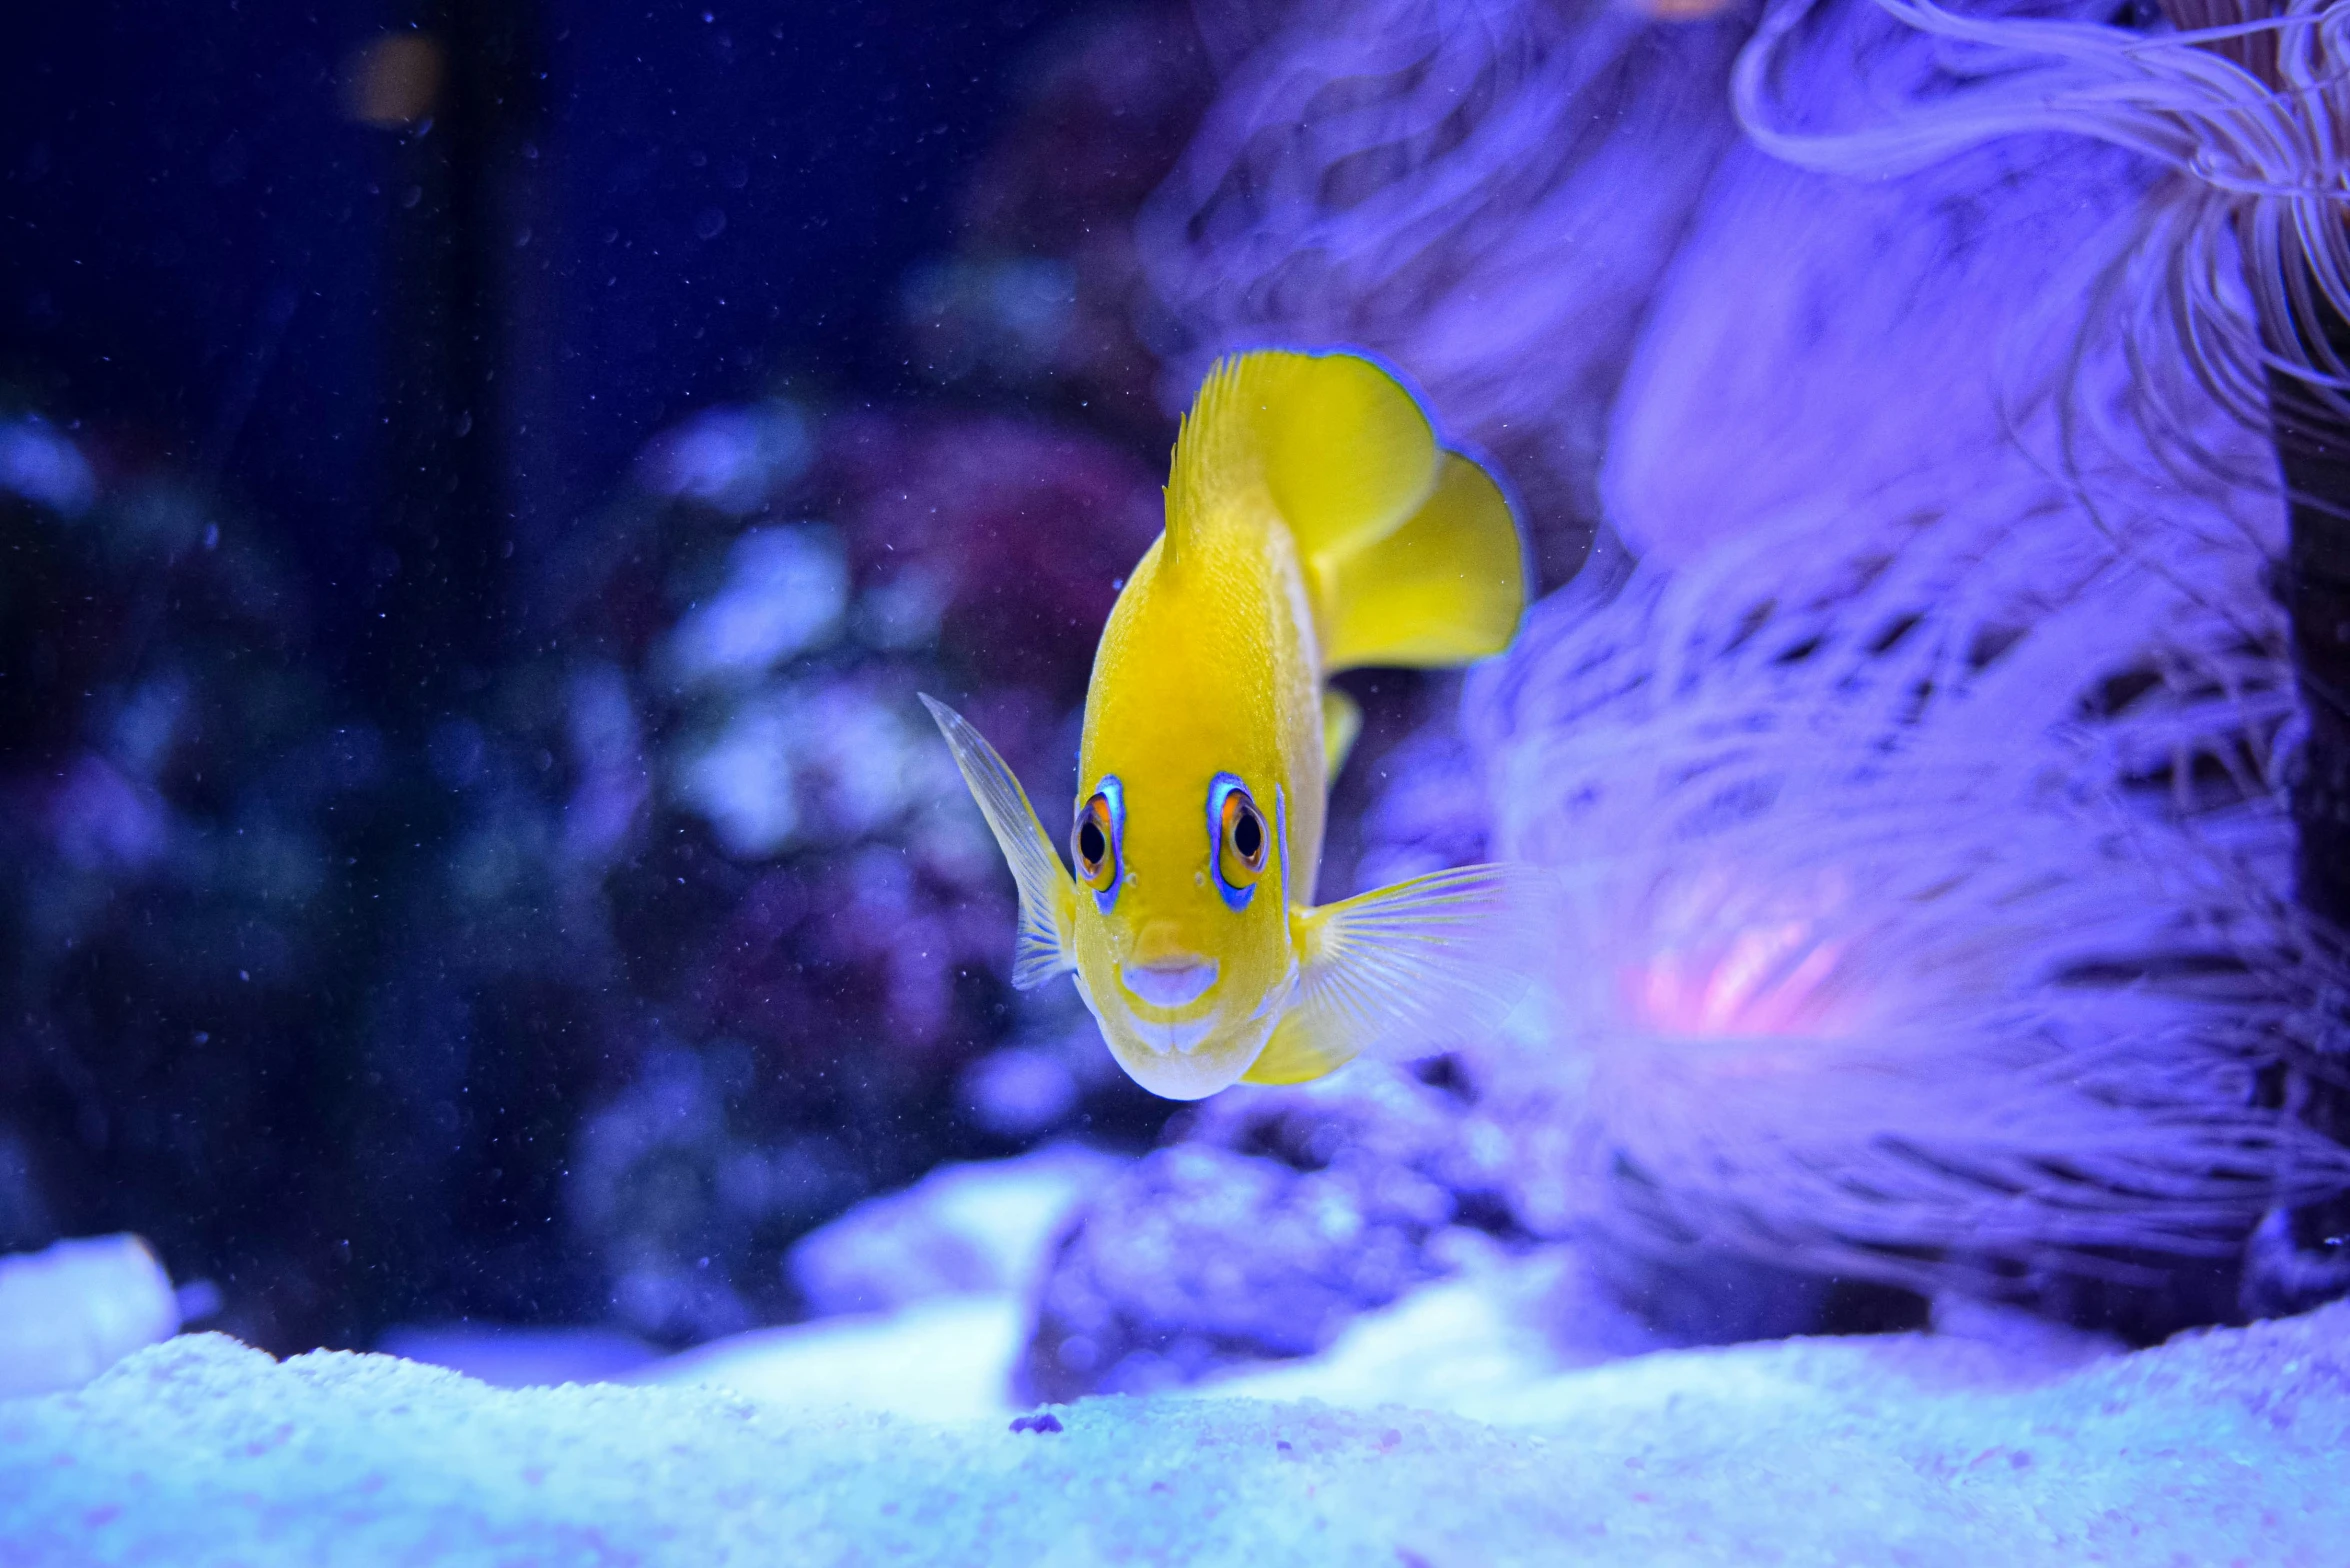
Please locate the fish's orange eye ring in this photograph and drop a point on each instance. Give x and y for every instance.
(1240, 840)
(1097, 841)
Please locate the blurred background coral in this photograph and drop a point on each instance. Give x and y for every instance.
(481, 487)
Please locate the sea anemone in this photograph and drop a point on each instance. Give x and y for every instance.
(1486, 193)
(2231, 281)
(1922, 921)
(1919, 796)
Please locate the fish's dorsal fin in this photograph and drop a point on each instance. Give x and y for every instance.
(1407, 970)
(1445, 588)
(1333, 440)
(1045, 945)
(1411, 552)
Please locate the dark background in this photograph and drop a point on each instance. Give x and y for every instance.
(359, 950)
(617, 212)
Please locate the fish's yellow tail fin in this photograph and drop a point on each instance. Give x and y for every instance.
(1410, 551)
(1445, 588)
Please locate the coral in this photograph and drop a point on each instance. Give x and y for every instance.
(662, 941)
(785, 863)
(1269, 1220)
(686, 1209)
(973, 518)
(181, 790)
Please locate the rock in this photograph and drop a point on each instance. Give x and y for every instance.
(1275, 1217)
(72, 1310)
(981, 1227)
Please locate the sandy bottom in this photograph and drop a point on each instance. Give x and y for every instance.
(2221, 1447)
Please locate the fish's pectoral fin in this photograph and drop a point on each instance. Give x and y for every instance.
(1045, 945)
(1342, 721)
(1409, 970)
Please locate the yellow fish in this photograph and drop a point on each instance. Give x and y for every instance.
(1314, 524)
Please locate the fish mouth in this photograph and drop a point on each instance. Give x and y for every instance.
(1171, 1039)
(1170, 985)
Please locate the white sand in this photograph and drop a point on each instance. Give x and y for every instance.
(2222, 1447)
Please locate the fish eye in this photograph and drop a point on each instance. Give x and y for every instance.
(1093, 842)
(1239, 840)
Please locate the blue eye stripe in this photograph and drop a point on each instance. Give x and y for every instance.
(1224, 785)
(1115, 793)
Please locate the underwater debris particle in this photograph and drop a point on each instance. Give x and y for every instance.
(1046, 1422)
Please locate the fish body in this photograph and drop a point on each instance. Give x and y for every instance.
(1314, 523)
